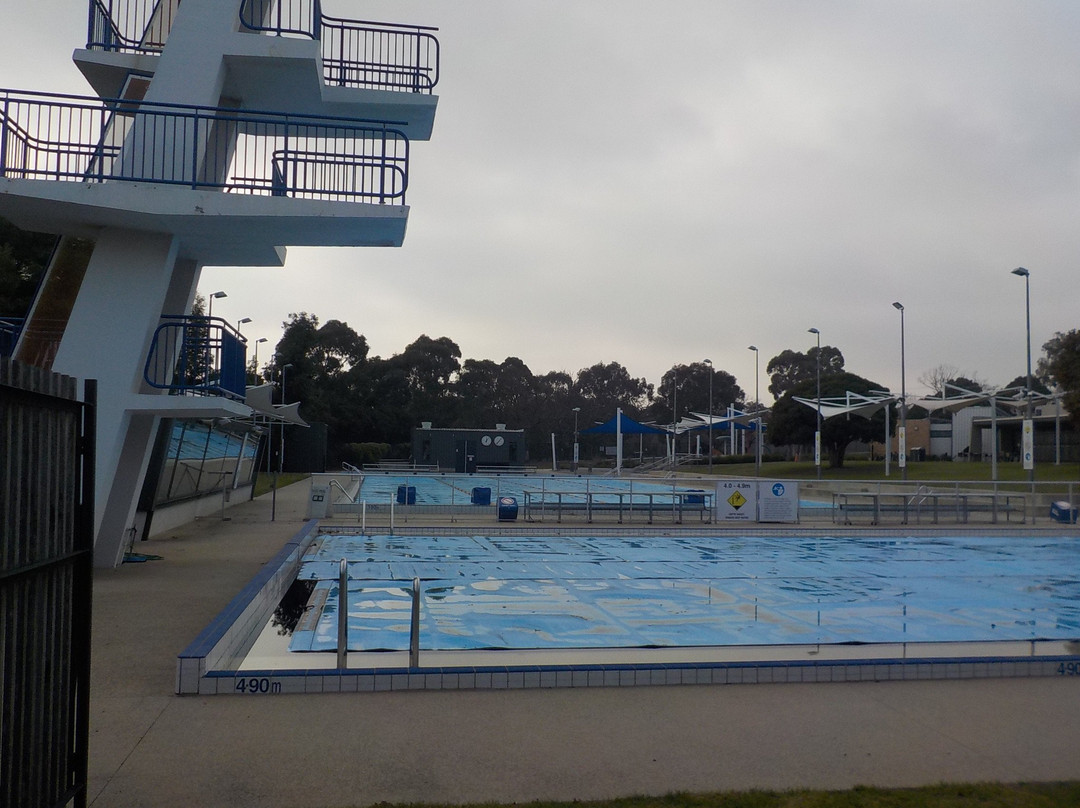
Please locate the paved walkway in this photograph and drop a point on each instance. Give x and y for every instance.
(149, 747)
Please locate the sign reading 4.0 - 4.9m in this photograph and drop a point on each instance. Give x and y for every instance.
(736, 501)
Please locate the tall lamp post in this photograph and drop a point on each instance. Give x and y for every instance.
(901, 435)
(708, 363)
(259, 341)
(757, 357)
(210, 302)
(242, 321)
(757, 402)
(1027, 448)
(576, 435)
(817, 435)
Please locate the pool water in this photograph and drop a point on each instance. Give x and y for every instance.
(547, 592)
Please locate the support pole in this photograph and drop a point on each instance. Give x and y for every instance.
(343, 616)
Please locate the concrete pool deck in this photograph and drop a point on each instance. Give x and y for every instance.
(149, 747)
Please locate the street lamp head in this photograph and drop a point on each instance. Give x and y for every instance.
(707, 362)
(1023, 273)
(218, 295)
(812, 331)
(751, 348)
(898, 306)
(244, 320)
(261, 340)
(576, 409)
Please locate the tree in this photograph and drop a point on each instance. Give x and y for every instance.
(326, 362)
(789, 368)
(24, 257)
(1062, 367)
(604, 387)
(690, 385)
(951, 380)
(794, 423)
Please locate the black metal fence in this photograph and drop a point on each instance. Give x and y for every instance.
(46, 546)
(46, 136)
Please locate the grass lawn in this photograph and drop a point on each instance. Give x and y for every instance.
(985, 795)
(264, 482)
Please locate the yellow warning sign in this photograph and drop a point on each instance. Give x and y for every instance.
(736, 500)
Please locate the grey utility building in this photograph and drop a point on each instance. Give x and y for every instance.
(464, 450)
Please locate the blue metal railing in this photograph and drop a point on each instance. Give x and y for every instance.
(9, 334)
(47, 136)
(136, 26)
(355, 53)
(197, 355)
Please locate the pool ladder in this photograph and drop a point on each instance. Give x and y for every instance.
(343, 620)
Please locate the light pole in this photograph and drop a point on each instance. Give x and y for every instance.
(708, 363)
(757, 357)
(241, 322)
(757, 401)
(674, 417)
(1027, 448)
(817, 435)
(210, 299)
(259, 341)
(281, 452)
(576, 456)
(901, 436)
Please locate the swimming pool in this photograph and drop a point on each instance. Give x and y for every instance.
(491, 592)
(550, 610)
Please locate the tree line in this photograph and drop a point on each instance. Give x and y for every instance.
(367, 399)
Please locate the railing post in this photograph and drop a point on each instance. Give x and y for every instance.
(343, 615)
(414, 626)
(4, 136)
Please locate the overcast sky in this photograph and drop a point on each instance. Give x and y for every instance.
(659, 183)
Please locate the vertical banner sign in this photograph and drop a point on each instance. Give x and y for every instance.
(901, 445)
(817, 448)
(1028, 444)
(736, 501)
(778, 501)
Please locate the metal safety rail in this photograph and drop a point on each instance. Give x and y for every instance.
(355, 53)
(134, 26)
(197, 355)
(9, 334)
(621, 506)
(46, 136)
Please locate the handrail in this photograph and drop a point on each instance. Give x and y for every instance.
(50, 136)
(136, 26)
(355, 53)
(10, 327)
(197, 355)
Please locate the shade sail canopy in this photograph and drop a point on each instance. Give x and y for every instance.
(628, 427)
(852, 404)
(258, 397)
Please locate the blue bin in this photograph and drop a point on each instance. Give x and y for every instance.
(508, 509)
(1064, 512)
(481, 496)
(695, 498)
(406, 495)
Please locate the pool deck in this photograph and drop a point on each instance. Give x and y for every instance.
(149, 747)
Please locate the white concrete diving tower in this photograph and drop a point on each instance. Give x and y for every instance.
(222, 131)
